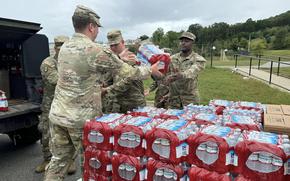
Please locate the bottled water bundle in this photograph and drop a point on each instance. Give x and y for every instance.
(207, 119)
(212, 148)
(95, 177)
(126, 168)
(167, 141)
(262, 155)
(129, 136)
(147, 111)
(98, 161)
(249, 105)
(160, 171)
(170, 114)
(3, 101)
(191, 110)
(221, 103)
(150, 54)
(196, 173)
(243, 122)
(99, 132)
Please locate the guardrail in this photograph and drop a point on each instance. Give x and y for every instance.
(259, 59)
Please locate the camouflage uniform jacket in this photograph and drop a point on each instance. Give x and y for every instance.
(185, 89)
(81, 64)
(133, 94)
(48, 71)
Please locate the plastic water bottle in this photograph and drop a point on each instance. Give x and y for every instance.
(95, 163)
(130, 172)
(3, 102)
(212, 151)
(201, 151)
(158, 176)
(252, 161)
(265, 163)
(156, 146)
(122, 171)
(95, 137)
(165, 148)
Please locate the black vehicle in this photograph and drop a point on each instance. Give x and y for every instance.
(21, 54)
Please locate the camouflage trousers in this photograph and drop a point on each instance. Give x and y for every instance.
(43, 126)
(110, 104)
(160, 101)
(178, 102)
(128, 105)
(65, 144)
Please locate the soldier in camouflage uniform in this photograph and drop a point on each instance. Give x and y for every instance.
(183, 74)
(132, 96)
(48, 70)
(81, 64)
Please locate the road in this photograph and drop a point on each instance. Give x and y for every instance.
(18, 163)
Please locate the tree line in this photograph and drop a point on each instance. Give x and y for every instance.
(250, 36)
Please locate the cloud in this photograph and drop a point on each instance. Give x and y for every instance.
(136, 17)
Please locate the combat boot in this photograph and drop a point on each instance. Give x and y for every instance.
(72, 168)
(41, 167)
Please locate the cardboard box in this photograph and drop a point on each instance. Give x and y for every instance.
(274, 109)
(277, 123)
(286, 109)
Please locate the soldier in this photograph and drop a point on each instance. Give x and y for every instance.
(81, 63)
(132, 96)
(48, 70)
(183, 74)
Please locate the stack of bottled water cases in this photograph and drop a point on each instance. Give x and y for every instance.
(98, 146)
(263, 155)
(159, 144)
(213, 148)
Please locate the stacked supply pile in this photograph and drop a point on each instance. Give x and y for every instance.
(221, 141)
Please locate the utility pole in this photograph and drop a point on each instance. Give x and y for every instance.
(249, 43)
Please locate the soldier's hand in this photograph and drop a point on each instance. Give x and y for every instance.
(104, 91)
(146, 92)
(173, 77)
(155, 70)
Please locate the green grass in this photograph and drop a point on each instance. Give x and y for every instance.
(277, 53)
(147, 84)
(216, 83)
(222, 84)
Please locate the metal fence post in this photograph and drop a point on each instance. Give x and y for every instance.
(259, 63)
(236, 61)
(250, 66)
(210, 57)
(278, 70)
(271, 69)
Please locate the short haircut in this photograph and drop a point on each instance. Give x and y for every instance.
(80, 22)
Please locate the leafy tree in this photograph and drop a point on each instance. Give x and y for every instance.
(157, 36)
(280, 41)
(258, 45)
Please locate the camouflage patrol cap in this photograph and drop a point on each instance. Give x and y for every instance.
(114, 37)
(59, 40)
(188, 35)
(85, 12)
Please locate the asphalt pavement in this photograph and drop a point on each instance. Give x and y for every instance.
(17, 163)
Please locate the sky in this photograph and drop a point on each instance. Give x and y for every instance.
(138, 17)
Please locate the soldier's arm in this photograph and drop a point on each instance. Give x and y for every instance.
(107, 61)
(193, 70)
(49, 73)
